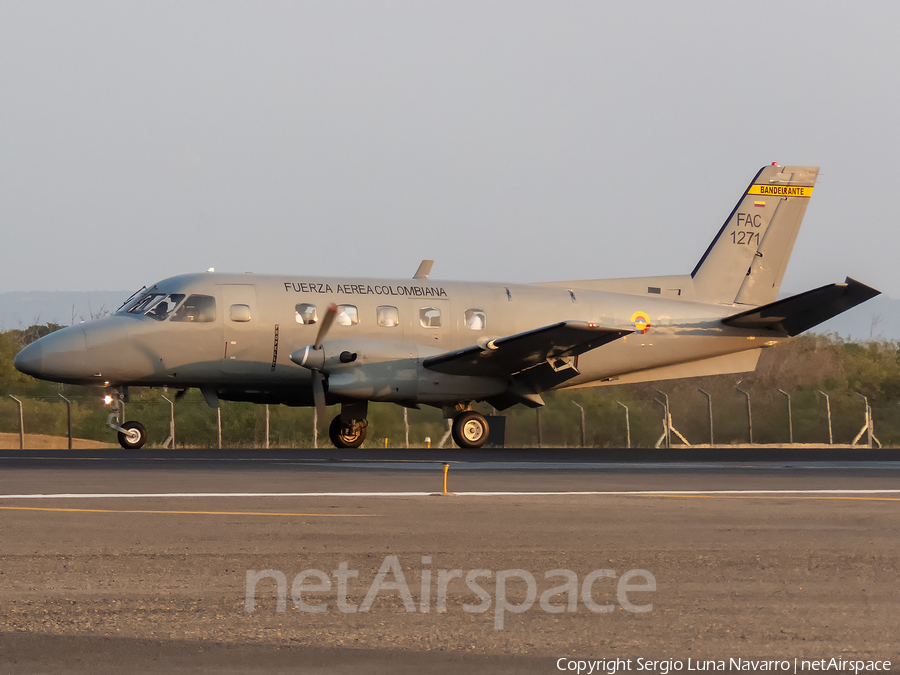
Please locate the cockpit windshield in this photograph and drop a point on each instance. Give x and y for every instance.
(156, 305)
(132, 300)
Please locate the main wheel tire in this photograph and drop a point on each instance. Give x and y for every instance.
(347, 435)
(134, 437)
(470, 429)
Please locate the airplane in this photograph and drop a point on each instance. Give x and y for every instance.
(311, 341)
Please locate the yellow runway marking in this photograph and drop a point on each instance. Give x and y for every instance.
(865, 499)
(198, 513)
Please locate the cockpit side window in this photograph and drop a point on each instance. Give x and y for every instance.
(196, 309)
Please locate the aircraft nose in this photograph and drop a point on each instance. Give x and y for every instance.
(30, 359)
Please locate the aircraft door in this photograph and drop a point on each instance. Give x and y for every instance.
(242, 325)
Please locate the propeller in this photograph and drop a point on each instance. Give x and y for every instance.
(313, 358)
(327, 320)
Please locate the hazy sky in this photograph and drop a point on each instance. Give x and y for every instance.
(516, 141)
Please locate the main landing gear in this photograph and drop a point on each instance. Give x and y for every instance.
(470, 429)
(132, 435)
(347, 434)
(348, 429)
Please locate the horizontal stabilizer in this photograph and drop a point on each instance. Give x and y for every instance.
(801, 312)
(508, 355)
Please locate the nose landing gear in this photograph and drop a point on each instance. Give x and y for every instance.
(131, 435)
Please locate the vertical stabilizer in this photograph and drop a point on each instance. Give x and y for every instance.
(746, 261)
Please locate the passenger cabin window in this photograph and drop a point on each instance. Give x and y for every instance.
(388, 316)
(475, 319)
(240, 313)
(306, 313)
(430, 317)
(347, 315)
(196, 309)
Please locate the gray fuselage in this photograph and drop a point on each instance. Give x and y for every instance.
(243, 354)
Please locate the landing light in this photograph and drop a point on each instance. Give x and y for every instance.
(107, 399)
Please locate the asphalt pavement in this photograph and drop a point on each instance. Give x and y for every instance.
(244, 560)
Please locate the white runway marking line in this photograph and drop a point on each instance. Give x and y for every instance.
(617, 493)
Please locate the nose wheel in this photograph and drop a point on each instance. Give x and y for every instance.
(470, 429)
(347, 434)
(132, 436)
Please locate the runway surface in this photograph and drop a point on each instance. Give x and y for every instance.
(138, 560)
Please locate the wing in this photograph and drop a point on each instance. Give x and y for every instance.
(515, 353)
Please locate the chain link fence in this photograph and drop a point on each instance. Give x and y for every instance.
(617, 418)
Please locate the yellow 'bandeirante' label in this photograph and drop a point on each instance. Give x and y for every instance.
(781, 190)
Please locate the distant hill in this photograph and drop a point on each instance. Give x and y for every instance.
(878, 318)
(18, 310)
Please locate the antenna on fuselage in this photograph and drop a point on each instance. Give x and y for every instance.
(424, 269)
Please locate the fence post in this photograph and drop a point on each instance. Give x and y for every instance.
(709, 407)
(582, 421)
(540, 440)
(828, 409)
(219, 424)
(21, 423)
(869, 428)
(749, 415)
(406, 424)
(665, 434)
(668, 419)
(267, 426)
(171, 438)
(627, 425)
(315, 427)
(790, 419)
(68, 418)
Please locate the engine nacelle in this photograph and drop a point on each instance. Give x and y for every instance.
(376, 370)
(386, 370)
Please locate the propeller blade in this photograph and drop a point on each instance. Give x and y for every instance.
(318, 387)
(327, 320)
